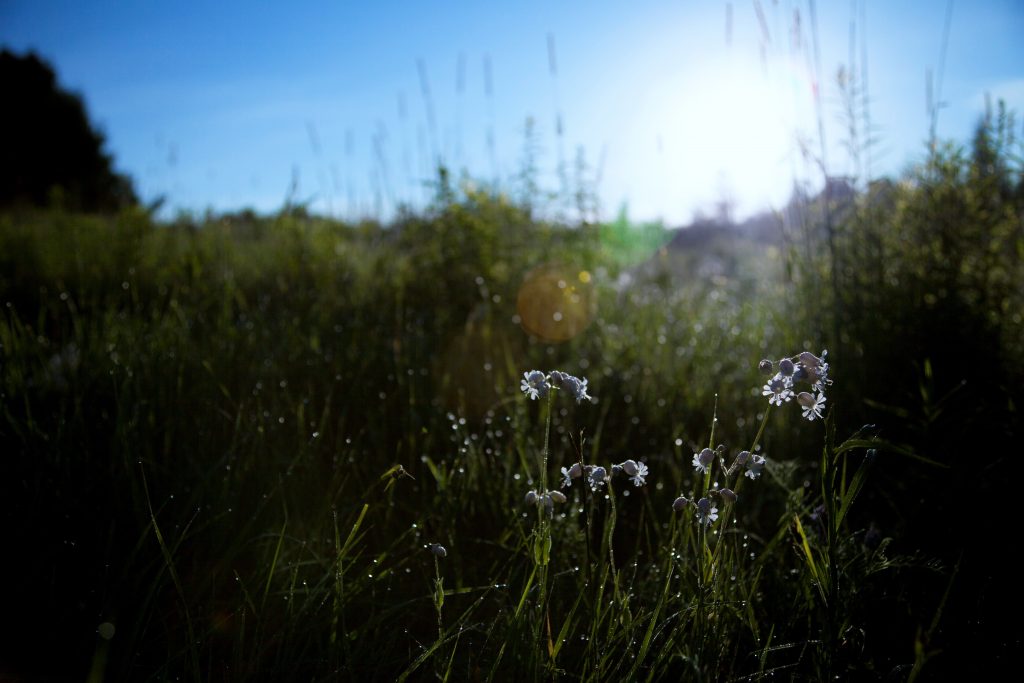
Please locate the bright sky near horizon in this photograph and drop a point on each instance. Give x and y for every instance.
(675, 106)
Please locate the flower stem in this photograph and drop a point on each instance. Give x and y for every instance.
(727, 506)
(438, 599)
(611, 550)
(753, 446)
(544, 453)
(543, 531)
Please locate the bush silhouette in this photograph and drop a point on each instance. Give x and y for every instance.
(50, 153)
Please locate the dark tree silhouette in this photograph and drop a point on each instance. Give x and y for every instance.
(49, 152)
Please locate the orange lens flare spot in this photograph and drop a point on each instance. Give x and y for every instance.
(555, 303)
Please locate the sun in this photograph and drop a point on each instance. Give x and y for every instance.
(744, 125)
(722, 130)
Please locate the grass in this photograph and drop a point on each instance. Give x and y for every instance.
(241, 442)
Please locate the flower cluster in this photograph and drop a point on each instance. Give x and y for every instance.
(804, 367)
(536, 384)
(703, 461)
(705, 511)
(780, 388)
(596, 476)
(545, 499)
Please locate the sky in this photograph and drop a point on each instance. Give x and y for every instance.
(669, 108)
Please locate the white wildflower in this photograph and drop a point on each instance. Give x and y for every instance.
(637, 471)
(575, 386)
(741, 459)
(568, 475)
(754, 466)
(597, 477)
(706, 512)
(778, 390)
(535, 384)
(702, 461)
(819, 377)
(812, 405)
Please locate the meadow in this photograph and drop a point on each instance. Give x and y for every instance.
(242, 447)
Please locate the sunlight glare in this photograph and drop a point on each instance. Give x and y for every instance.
(725, 131)
(744, 129)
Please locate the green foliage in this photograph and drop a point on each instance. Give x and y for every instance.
(235, 439)
(922, 297)
(934, 261)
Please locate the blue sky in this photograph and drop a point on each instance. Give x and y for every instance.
(225, 105)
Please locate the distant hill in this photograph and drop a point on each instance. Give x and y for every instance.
(712, 246)
(768, 227)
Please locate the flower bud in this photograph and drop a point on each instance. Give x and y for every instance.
(531, 497)
(742, 457)
(629, 467)
(728, 494)
(786, 367)
(680, 503)
(809, 359)
(766, 367)
(557, 496)
(438, 550)
(805, 399)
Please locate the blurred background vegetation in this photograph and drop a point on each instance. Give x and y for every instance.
(196, 411)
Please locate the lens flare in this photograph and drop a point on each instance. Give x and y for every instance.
(555, 302)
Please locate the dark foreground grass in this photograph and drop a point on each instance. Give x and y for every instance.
(228, 447)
